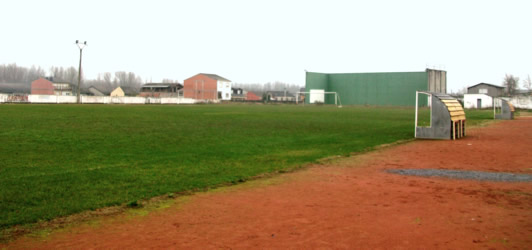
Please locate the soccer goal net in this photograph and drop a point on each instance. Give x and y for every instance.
(319, 97)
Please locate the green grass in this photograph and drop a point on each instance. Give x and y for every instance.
(57, 160)
(423, 117)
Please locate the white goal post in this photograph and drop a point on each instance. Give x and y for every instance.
(497, 107)
(319, 97)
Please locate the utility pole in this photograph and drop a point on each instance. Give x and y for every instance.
(81, 46)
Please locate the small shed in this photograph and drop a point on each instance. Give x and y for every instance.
(118, 92)
(160, 89)
(94, 91)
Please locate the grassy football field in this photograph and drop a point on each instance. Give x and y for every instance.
(57, 160)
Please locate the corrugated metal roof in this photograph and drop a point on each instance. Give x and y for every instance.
(489, 84)
(96, 91)
(161, 85)
(155, 86)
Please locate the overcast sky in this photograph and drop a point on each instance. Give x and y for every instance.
(260, 41)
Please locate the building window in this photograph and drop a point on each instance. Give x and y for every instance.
(226, 95)
(483, 91)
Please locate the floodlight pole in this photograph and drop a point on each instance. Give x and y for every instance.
(81, 46)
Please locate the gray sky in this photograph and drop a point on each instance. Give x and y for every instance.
(261, 41)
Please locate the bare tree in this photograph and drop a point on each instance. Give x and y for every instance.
(527, 83)
(166, 80)
(127, 80)
(35, 73)
(276, 86)
(12, 73)
(460, 92)
(511, 83)
(107, 78)
(69, 75)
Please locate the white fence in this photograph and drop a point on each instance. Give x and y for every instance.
(521, 102)
(51, 99)
(5, 98)
(472, 101)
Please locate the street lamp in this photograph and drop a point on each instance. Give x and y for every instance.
(81, 46)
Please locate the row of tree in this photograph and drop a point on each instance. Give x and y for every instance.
(12, 73)
(107, 81)
(269, 86)
(511, 83)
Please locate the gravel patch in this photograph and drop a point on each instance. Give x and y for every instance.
(459, 174)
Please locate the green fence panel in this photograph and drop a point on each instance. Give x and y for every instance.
(382, 89)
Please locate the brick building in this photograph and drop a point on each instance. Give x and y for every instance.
(207, 87)
(42, 86)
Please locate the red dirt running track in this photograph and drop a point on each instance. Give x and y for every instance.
(351, 203)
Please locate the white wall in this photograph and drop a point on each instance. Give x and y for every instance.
(225, 88)
(103, 99)
(521, 102)
(470, 101)
(95, 99)
(51, 99)
(317, 95)
(127, 100)
(175, 100)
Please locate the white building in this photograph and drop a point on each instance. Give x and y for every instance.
(224, 89)
(62, 88)
(477, 101)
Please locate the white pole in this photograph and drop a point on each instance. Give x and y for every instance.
(494, 108)
(415, 125)
(430, 105)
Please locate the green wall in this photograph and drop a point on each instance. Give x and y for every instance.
(390, 89)
(316, 80)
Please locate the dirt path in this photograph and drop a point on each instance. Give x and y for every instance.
(352, 203)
